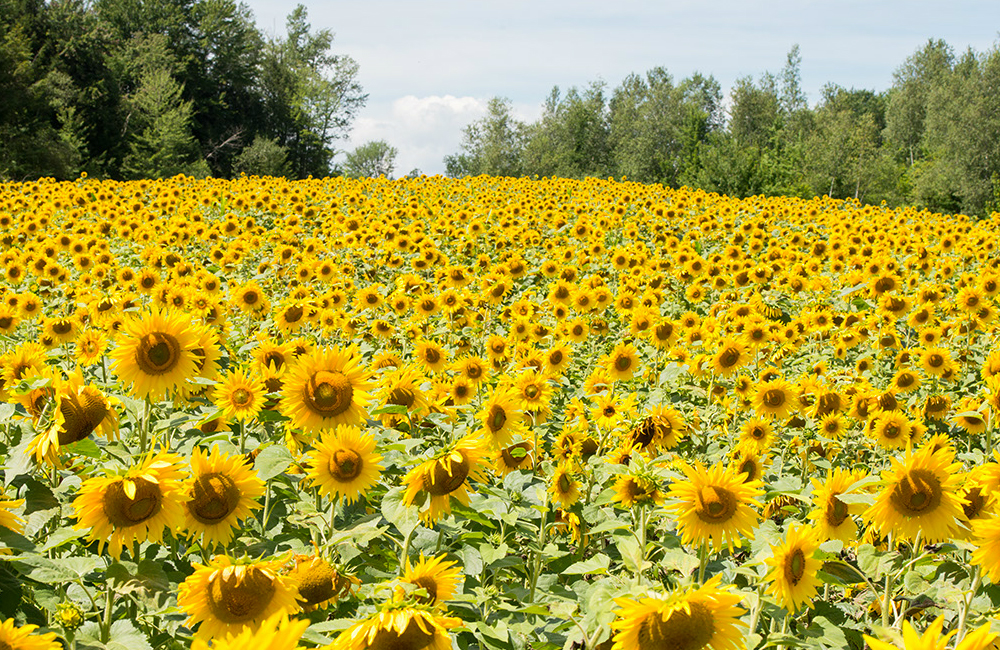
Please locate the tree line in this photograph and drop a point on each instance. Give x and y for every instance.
(932, 139)
(153, 88)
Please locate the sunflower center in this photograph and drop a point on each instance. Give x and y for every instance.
(293, 314)
(749, 468)
(836, 512)
(496, 418)
(774, 398)
(316, 583)
(691, 630)
(214, 497)
(892, 431)
(716, 504)
(975, 502)
(758, 433)
(402, 397)
(157, 353)
(328, 393)
(919, 493)
(508, 455)
(240, 596)
(565, 483)
(555, 358)
(412, 638)
(729, 357)
(449, 474)
(795, 567)
(241, 397)
(345, 465)
(474, 371)
(531, 391)
(123, 510)
(429, 585)
(622, 363)
(277, 359)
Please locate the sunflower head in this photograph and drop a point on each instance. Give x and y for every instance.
(319, 583)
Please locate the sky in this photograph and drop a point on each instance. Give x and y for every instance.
(430, 66)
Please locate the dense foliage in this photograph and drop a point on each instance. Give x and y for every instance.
(931, 140)
(153, 88)
(499, 413)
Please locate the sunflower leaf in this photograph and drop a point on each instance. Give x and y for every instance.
(125, 636)
(272, 461)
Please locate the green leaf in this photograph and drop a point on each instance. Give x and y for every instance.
(404, 518)
(594, 565)
(85, 447)
(125, 636)
(389, 409)
(272, 461)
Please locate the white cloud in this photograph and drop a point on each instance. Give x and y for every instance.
(424, 129)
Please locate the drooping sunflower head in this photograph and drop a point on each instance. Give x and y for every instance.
(445, 476)
(792, 578)
(326, 388)
(221, 492)
(834, 518)
(501, 417)
(319, 583)
(513, 457)
(399, 625)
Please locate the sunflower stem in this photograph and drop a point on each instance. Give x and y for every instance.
(106, 624)
(266, 514)
(963, 615)
(144, 429)
(537, 566)
(702, 561)
(887, 595)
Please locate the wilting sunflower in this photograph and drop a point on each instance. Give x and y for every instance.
(139, 505)
(445, 476)
(220, 493)
(80, 410)
(501, 417)
(155, 353)
(402, 387)
(636, 490)
(240, 396)
(21, 638)
(7, 518)
(326, 388)
(714, 504)
(435, 576)
(399, 626)
(227, 598)
(833, 517)
(920, 496)
(663, 427)
(775, 398)
(794, 567)
(689, 618)
(319, 583)
(276, 633)
(344, 463)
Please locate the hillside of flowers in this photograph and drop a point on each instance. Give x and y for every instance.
(493, 414)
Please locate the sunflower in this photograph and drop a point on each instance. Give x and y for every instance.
(135, 507)
(513, 457)
(344, 463)
(250, 298)
(274, 355)
(220, 493)
(662, 428)
(326, 388)
(714, 504)
(399, 625)
(564, 489)
(891, 429)
(21, 638)
(156, 353)
(756, 435)
(227, 598)
(636, 490)
(833, 517)
(431, 355)
(935, 361)
(689, 618)
(90, 346)
(7, 518)
(275, 633)
(80, 410)
(833, 426)
(774, 398)
(501, 417)
(933, 638)
(445, 476)
(472, 368)
(623, 361)
(240, 396)
(730, 357)
(920, 496)
(401, 387)
(794, 566)
(319, 583)
(533, 392)
(437, 578)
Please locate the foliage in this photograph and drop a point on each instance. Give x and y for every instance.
(371, 160)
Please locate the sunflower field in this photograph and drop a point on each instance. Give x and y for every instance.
(495, 414)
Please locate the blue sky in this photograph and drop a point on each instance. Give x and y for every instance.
(429, 66)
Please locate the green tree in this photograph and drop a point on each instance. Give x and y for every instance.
(263, 157)
(371, 160)
(571, 138)
(493, 144)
